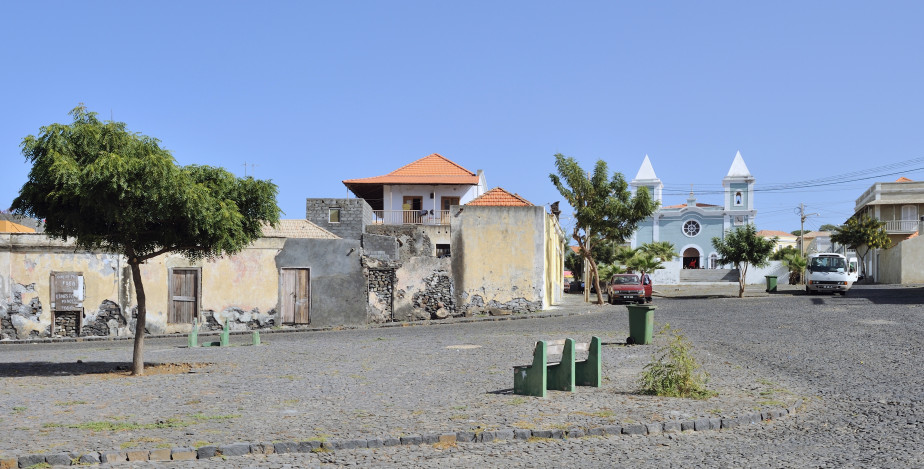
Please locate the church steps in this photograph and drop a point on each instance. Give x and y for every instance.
(708, 275)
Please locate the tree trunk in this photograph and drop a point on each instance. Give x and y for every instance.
(138, 352)
(596, 279)
(742, 275)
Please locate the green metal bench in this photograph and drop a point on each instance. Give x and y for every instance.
(540, 376)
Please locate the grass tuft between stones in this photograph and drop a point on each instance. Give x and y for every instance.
(673, 371)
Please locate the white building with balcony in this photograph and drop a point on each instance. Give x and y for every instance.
(419, 193)
(899, 204)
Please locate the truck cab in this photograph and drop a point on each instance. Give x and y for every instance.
(830, 272)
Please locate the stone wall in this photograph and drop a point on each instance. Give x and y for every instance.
(355, 214)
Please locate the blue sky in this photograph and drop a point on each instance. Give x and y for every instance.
(313, 93)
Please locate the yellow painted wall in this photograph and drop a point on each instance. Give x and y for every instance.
(554, 242)
(246, 280)
(499, 253)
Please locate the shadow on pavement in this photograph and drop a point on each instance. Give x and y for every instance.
(13, 370)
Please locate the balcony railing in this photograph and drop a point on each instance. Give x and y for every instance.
(410, 217)
(901, 226)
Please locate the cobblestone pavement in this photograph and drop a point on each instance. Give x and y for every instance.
(854, 361)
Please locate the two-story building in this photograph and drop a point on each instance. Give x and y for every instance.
(420, 192)
(900, 204)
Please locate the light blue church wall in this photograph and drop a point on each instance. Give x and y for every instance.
(710, 226)
(645, 232)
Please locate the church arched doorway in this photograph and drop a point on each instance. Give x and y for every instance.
(691, 258)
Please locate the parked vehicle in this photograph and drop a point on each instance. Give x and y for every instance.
(576, 287)
(830, 272)
(628, 288)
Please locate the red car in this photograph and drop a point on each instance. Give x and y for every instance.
(628, 288)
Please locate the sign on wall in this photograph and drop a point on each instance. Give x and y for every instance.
(67, 291)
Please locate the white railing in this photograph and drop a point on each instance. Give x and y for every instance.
(902, 226)
(410, 217)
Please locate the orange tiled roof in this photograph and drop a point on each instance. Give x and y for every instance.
(684, 205)
(498, 197)
(431, 169)
(772, 233)
(903, 179)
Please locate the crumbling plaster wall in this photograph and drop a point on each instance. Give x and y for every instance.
(26, 263)
(241, 288)
(423, 287)
(498, 259)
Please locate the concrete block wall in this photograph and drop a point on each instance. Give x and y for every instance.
(355, 214)
(380, 246)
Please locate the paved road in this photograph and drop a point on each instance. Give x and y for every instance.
(854, 360)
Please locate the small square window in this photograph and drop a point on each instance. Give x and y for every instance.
(442, 250)
(334, 215)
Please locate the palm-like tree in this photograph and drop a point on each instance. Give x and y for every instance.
(644, 262)
(664, 250)
(796, 265)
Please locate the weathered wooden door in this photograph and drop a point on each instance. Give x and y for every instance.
(184, 295)
(296, 296)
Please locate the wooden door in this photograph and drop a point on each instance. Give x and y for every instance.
(296, 296)
(184, 295)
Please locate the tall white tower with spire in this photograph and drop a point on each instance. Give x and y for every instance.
(646, 177)
(739, 194)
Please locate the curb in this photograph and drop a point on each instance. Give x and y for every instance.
(448, 438)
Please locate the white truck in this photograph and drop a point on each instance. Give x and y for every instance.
(830, 272)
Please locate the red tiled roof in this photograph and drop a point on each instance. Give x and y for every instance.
(431, 169)
(684, 205)
(903, 179)
(498, 197)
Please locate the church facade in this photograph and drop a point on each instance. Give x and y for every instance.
(691, 226)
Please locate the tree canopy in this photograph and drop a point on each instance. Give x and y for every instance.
(742, 247)
(111, 189)
(862, 232)
(604, 207)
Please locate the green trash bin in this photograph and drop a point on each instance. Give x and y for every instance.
(641, 324)
(771, 283)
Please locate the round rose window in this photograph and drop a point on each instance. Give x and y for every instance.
(691, 228)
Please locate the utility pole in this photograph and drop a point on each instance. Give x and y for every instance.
(802, 217)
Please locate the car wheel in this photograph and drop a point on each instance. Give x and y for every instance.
(648, 299)
(641, 301)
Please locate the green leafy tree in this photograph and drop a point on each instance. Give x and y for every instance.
(604, 208)
(663, 250)
(742, 247)
(114, 190)
(779, 254)
(799, 232)
(827, 227)
(862, 232)
(607, 271)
